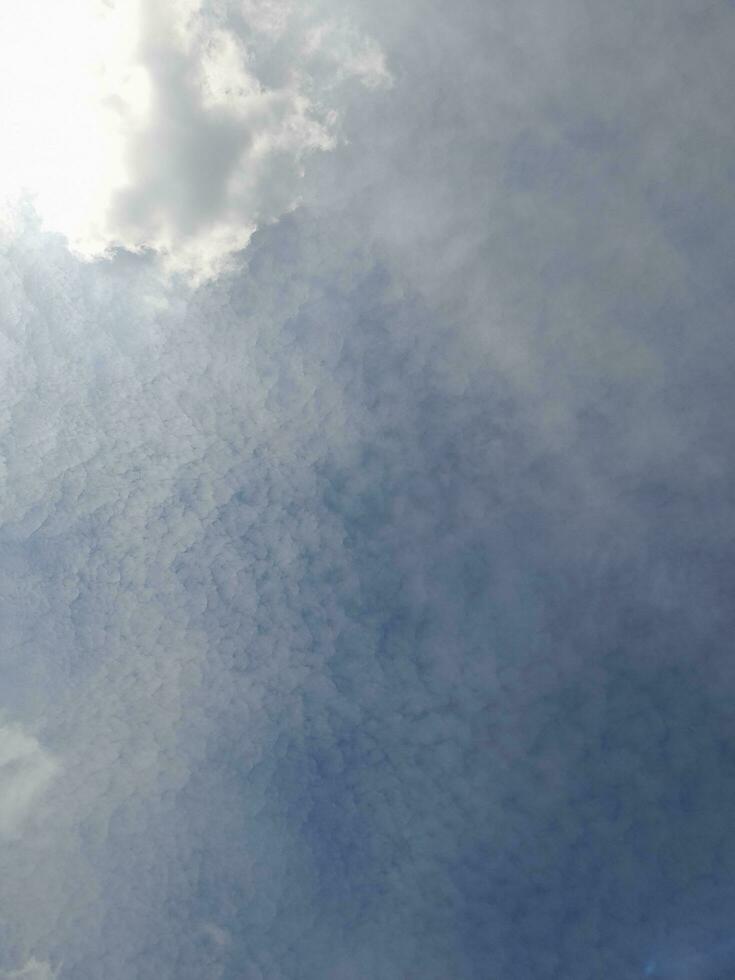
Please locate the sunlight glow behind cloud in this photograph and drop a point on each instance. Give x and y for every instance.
(145, 126)
(69, 82)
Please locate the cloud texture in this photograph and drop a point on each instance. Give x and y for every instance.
(188, 123)
(366, 611)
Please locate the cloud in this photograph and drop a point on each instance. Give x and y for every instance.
(217, 154)
(375, 595)
(33, 970)
(188, 148)
(25, 772)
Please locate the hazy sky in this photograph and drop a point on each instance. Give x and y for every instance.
(367, 490)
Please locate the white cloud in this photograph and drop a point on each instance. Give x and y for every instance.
(350, 54)
(33, 969)
(25, 772)
(148, 126)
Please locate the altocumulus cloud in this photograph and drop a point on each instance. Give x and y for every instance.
(366, 609)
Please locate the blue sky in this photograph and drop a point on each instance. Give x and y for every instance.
(366, 515)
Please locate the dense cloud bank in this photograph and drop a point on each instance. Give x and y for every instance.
(366, 611)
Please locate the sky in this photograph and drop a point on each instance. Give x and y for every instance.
(366, 490)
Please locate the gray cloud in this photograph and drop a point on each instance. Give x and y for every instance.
(373, 599)
(216, 153)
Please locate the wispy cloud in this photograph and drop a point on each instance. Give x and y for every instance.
(25, 772)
